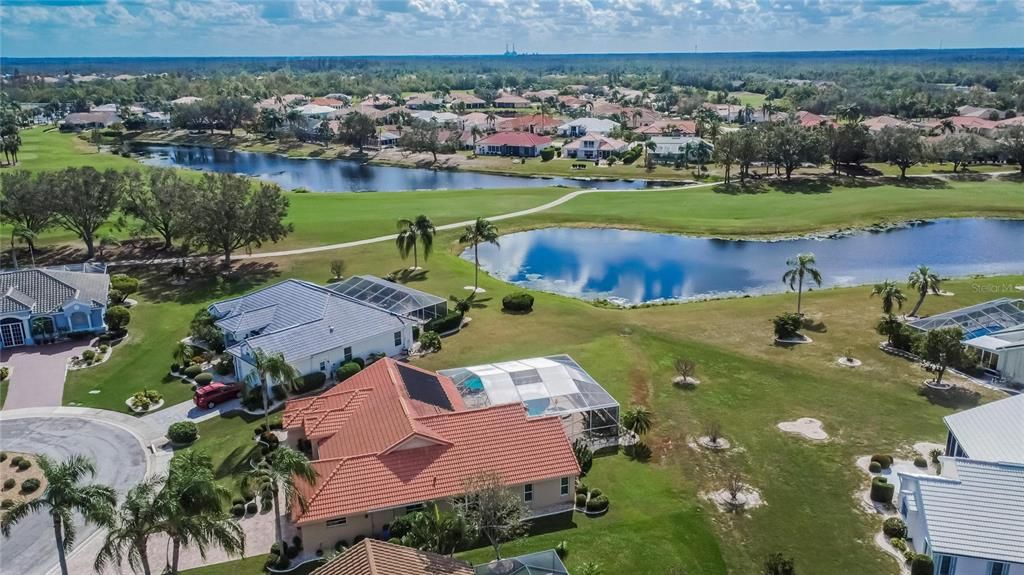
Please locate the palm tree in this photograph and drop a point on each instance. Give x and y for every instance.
(183, 352)
(64, 496)
(135, 522)
(491, 118)
(267, 368)
(432, 529)
(413, 232)
(476, 132)
(278, 473)
(923, 280)
(638, 419)
(649, 147)
(890, 327)
(800, 267)
(480, 231)
(891, 294)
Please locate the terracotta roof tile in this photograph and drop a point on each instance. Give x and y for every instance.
(372, 557)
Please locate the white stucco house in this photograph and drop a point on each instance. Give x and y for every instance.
(319, 328)
(969, 519)
(41, 303)
(583, 126)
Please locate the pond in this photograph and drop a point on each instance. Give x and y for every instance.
(632, 267)
(321, 175)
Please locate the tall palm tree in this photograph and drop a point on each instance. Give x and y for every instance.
(433, 529)
(491, 119)
(183, 352)
(480, 231)
(649, 147)
(638, 419)
(891, 294)
(923, 280)
(267, 368)
(476, 132)
(800, 267)
(411, 233)
(134, 523)
(64, 496)
(277, 473)
(889, 326)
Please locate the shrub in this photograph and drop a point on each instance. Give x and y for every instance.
(894, 527)
(175, 368)
(270, 438)
(88, 355)
(347, 370)
(898, 544)
(29, 485)
(183, 432)
(921, 565)
(7, 504)
(340, 545)
(521, 302)
(920, 461)
(238, 509)
(595, 492)
(291, 552)
(279, 393)
(5, 372)
(193, 370)
(297, 542)
(24, 464)
(226, 365)
(3, 456)
(582, 488)
(124, 284)
(309, 382)
(882, 491)
(430, 341)
(359, 361)
(204, 379)
(883, 460)
(117, 317)
(237, 501)
(875, 467)
(401, 525)
(444, 324)
(597, 504)
(251, 507)
(247, 493)
(562, 549)
(16, 460)
(787, 325)
(581, 500)
(547, 154)
(9, 483)
(104, 347)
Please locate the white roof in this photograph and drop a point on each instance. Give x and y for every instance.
(975, 509)
(428, 115)
(599, 125)
(315, 110)
(1000, 340)
(991, 432)
(671, 144)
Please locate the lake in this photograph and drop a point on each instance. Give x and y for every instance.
(633, 267)
(348, 175)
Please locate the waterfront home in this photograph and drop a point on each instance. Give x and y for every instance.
(669, 149)
(535, 123)
(89, 120)
(41, 303)
(594, 147)
(464, 100)
(990, 432)
(520, 144)
(669, 128)
(394, 436)
(583, 126)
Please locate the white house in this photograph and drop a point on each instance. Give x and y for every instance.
(674, 148)
(990, 432)
(316, 328)
(594, 146)
(970, 519)
(582, 126)
(1002, 352)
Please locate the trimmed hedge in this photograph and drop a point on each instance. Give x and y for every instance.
(894, 527)
(597, 504)
(24, 464)
(309, 382)
(193, 370)
(29, 485)
(430, 341)
(581, 500)
(884, 460)
(238, 510)
(183, 432)
(7, 504)
(88, 355)
(347, 370)
(251, 507)
(922, 565)
(448, 322)
(920, 461)
(521, 302)
(204, 379)
(9, 483)
(874, 467)
(547, 154)
(787, 325)
(882, 491)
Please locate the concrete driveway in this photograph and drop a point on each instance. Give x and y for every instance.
(119, 456)
(39, 370)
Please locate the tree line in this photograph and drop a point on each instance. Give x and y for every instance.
(221, 213)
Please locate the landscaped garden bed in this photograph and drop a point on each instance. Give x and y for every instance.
(21, 479)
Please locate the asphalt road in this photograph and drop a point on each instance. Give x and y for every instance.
(119, 459)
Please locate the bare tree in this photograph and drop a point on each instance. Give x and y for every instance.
(713, 431)
(686, 369)
(495, 510)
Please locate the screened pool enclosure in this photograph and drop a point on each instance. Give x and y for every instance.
(540, 563)
(391, 297)
(554, 385)
(977, 320)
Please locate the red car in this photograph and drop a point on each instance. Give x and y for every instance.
(210, 395)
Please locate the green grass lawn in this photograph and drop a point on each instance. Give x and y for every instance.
(250, 565)
(49, 149)
(752, 98)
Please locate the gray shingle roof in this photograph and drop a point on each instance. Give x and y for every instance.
(991, 432)
(301, 319)
(46, 291)
(977, 512)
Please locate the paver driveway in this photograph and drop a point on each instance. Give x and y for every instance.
(120, 461)
(38, 378)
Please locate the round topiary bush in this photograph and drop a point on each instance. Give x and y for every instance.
(204, 379)
(882, 491)
(193, 370)
(920, 461)
(562, 549)
(582, 488)
(29, 485)
(347, 370)
(238, 510)
(898, 544)
(581, 500)
(251, 507)
(597, 504)
(9, 483)
(894, 527)
(521, 302)
(595, 492)
(3, 456)
(875, 467)
(921, 565)
(16, 460)
(88, 355)
(24, 464)
(183, 432)
(7, 504)
(884, 460)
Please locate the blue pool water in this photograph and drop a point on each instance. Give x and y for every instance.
(982, 331)
(633, 267)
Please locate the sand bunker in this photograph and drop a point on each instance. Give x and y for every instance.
(807, 427)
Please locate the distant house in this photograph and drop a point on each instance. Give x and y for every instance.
(162, 119)
(379, 101)
(594, 146)
(373, 557)
(185, 100)
(535, 123)
(481, 120)
(394, 437)
(522, 144)
(876, 123)
(511, 101)
(986, 432)
(462, 99)
(436, 117)
(980, 112)
(669, 128)
(422, 101)
(335, 103)
(669, 149)
(581, 126)
(541, 95)
(969, 519)
(58, 301)
(315, 328)
(812, 120)
(88, 120)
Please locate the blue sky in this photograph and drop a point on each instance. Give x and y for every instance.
(352, 27)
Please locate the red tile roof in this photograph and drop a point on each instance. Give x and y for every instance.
(524, 139)
(970, 122)
(529, 122)
(379, 448)
(372, 557)
(327, 102)
(511, 99)
(811, 120)
(684, 127)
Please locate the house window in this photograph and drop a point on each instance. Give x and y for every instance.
(947, 565)
(998, 568)
(414, 508)
(348, 354)
(323, 366)
(528, 492)
(398, 338)
(564, 487)
(336, 522)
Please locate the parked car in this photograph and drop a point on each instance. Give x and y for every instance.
(209, 396)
